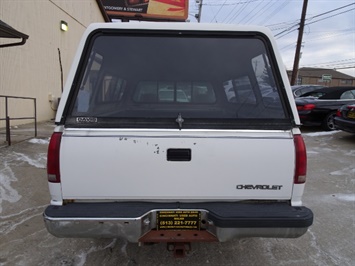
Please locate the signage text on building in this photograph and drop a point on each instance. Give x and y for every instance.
(159, 10)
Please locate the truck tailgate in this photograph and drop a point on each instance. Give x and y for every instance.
(176, 165)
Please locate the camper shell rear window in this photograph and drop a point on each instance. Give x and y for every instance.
(149, 79)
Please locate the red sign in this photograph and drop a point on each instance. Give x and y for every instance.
(160, 10)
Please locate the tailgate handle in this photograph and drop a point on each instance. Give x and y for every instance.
(179, 155)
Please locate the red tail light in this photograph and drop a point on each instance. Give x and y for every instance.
(305, 107)
(53, 172)
(338, 113)
(301, 160)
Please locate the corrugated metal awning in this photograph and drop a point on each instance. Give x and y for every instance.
(7, 31)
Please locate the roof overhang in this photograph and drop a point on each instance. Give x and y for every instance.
(7, 31)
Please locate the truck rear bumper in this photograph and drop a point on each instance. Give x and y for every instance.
(133, 220)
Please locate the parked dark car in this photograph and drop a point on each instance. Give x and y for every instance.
(345, 118)
(300, 90)
(319, 107)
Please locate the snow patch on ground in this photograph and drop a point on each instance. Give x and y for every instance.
(8, 226)
(345, 197)
(39, 162)
(124, 248)
(350, 153)
(7, 175)
(39, 141)
(7, 193)
(319, 150)
(323, 133)
(83, 254)
(312, 152)
(346, 171)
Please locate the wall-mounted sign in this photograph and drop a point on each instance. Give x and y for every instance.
(160, 10)
(326, 77)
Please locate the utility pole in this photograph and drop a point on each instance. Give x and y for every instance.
(198, 16)
(299, 44)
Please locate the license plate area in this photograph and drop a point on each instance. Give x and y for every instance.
(178, 220)
(351, 114)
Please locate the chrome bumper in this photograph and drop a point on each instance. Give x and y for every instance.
(92, 222)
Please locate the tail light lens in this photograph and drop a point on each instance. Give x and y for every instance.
(53, 172)
(338, 113)
(306, 107)
(301, 160)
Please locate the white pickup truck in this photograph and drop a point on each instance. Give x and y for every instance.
(177, 133)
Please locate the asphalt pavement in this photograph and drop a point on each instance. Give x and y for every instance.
(330, 193)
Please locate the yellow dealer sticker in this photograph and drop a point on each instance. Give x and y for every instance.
(178, 220)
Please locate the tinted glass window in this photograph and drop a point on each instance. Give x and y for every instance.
(316, 94)
(161, 77)
(174, 92)
(348, 95)
(298, 92)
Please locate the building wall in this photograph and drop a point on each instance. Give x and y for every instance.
(303, 79)
(33, 70)
(334, 82)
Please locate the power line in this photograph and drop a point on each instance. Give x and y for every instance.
(261, 7)
(279, 26)
(337, 62)
(277, 10)
(288, 30)
(230, 4)
(218, 11)
(293, 44)
(320, 37)
(212, 11)
(330, 16)
(348, 67)
(330, 11)
(243, 7)
(68, 14)
(268, 7)
(332, 66)
(330, 35)
(231, 12)
(257, 12)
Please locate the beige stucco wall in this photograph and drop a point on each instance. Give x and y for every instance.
(33, 70)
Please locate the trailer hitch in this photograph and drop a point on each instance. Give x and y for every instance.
(178, 241)
(179, 249)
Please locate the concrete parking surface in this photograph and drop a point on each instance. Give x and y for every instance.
(330, 193)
